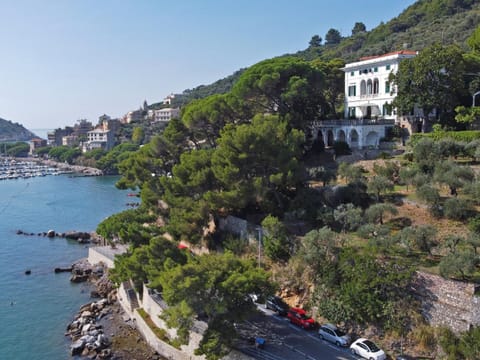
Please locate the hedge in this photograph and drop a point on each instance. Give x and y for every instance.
(465, 136)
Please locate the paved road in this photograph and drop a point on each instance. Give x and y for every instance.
(285, 341)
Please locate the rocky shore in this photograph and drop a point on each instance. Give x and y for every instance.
(101, 329)
(81, 237)
(77, 169)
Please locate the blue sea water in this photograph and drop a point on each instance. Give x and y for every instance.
(35, 309)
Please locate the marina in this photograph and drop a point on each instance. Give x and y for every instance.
(15, 169)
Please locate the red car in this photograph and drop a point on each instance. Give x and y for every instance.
(299, 317)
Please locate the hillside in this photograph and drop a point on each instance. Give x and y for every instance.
(10, 131)
(420, 25)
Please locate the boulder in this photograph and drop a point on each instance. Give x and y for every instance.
(86, 328)
(76, 235)
(77, 347)
(105, 354)
(86, 314)
(51, 233)
(79, 278)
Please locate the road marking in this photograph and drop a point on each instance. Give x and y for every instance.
(296, 328)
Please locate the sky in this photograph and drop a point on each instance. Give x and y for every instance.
(65, 60)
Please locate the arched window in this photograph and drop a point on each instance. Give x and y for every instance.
(376, 86)
(369, 87)
(363, 88)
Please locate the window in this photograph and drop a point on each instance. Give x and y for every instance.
(387, 87)
(352, 90)
(387, 67)
(375, 69)
(352, 73)
(351, 112)
(376, 86)
(387, 109)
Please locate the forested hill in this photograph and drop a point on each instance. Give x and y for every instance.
(10, 131)
(420, 25)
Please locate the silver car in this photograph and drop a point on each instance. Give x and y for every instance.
(331, 333)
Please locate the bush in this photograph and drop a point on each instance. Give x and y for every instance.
(457, 209)
(425, 336)
(465, 136)
(341, 148)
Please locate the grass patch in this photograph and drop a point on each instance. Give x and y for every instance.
(160, 333)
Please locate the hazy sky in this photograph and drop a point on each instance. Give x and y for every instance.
(63, 60)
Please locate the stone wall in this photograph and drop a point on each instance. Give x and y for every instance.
(241, 228)
(447, 302)
(105, 254)
(234, 225)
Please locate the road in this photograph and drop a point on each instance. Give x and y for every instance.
(285, 341)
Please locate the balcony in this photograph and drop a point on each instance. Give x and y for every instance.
(354, 122)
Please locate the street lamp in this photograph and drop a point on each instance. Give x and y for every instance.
(473, 98)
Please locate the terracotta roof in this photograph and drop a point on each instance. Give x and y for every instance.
(401, 52)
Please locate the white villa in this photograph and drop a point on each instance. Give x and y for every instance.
(368, 99)
(368, 93)
(164, 115)
(99, 139)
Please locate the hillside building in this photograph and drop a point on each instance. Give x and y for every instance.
(36, 143)
(99, 139)
(164, 115)
(368, 103)
(55, 137)
(368, 91)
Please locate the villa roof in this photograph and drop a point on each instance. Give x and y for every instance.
(401, 52)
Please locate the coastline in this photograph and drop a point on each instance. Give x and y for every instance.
(105, 319)
(78, 169)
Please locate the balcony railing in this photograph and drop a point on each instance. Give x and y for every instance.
(354, 122)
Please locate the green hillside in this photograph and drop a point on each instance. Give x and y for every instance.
(420, 25)
(10, 131)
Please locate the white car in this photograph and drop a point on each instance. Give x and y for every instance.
(367, 349)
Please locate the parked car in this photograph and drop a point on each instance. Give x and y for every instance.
(275, 303)
(367, 349)
(299, 317)
(333, 334)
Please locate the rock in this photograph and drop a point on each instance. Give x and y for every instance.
(51, 233)
(28, 272)
(86, 307)
(19, 232)
(105, 354)
(77, 347)
(79, 278)
(86, 328)
(86, 314)
(59, 269)
(76, 235)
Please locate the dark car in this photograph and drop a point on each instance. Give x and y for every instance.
(275, 303)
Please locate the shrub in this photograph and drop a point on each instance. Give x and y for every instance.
(341, 148)
(425, 336)
(457, 209)
(465, 136)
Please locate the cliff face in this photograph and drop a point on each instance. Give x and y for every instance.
(10, 131)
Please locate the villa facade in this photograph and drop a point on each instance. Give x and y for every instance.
(368, 103)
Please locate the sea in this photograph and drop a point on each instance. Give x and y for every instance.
(35, 309)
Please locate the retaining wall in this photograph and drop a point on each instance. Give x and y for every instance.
(447, 302)
(105, 254)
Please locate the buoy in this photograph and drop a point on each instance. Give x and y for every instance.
(28, 272)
